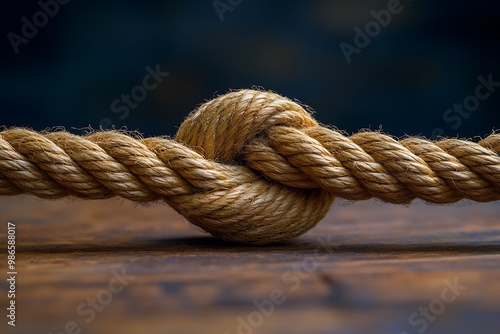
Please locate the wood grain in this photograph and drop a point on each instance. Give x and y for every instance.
(366, 268)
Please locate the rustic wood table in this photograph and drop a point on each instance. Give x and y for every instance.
(117, 267)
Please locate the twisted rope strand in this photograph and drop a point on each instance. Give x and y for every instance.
(249, 166)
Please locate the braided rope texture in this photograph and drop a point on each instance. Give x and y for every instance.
(249, 166)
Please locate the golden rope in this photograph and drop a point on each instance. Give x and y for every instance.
(249, 166)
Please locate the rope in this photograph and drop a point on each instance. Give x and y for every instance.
(249, 166)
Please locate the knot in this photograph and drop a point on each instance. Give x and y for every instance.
(262, 210)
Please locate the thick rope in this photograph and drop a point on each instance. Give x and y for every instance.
(249, 166)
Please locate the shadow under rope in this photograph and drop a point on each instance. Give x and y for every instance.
(207, 245)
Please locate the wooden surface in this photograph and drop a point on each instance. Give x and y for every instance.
(366, 268)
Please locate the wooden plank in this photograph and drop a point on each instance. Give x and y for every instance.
(366, 268)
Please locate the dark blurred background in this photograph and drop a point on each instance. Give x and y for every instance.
(91, 52)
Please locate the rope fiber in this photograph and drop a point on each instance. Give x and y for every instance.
(249, 166)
